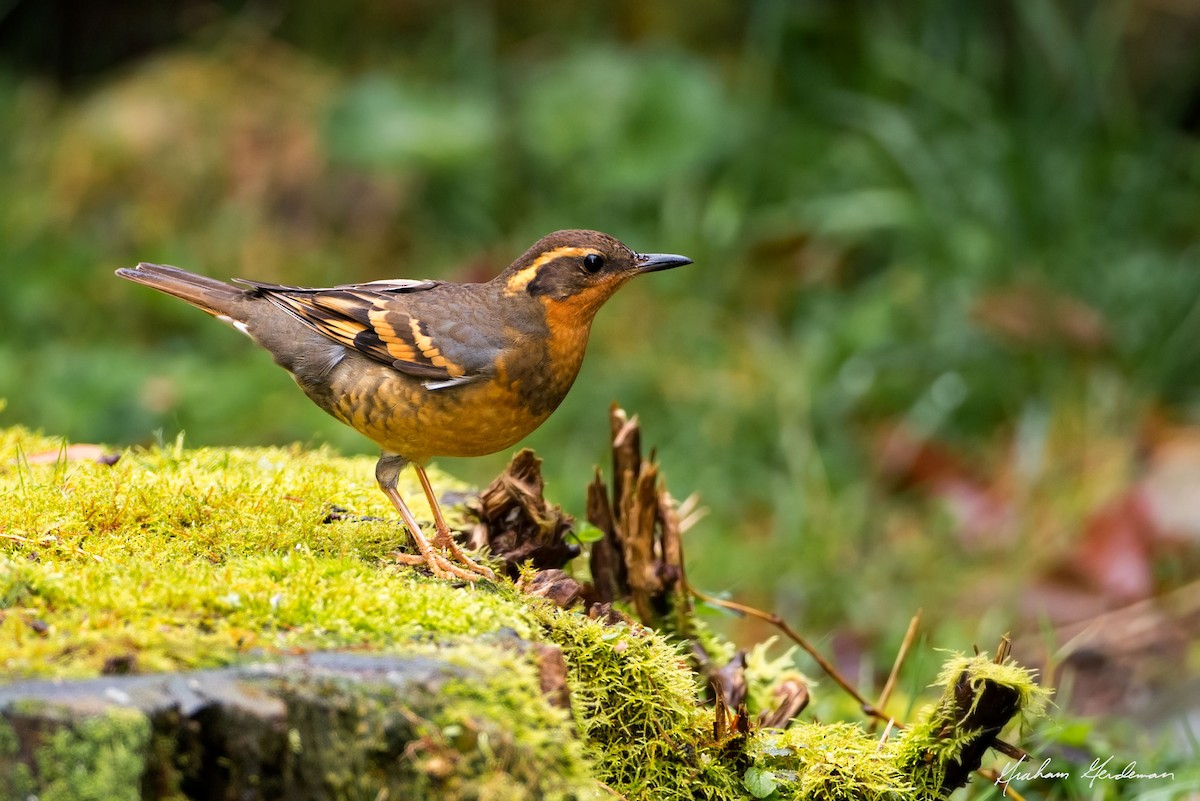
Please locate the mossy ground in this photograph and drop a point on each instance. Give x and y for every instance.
(179, 558)
(176, 559)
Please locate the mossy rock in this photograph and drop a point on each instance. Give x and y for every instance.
(224, 570)
(465, 721)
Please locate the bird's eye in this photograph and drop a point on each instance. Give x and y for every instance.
(593, 262)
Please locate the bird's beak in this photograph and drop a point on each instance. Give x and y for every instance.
(653, 262)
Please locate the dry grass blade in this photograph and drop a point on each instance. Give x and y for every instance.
(886, 693)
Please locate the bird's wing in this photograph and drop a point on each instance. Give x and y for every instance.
(381, 320)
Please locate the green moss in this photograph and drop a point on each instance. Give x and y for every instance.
(719, 650)
(1032, 698)
(925, 748)
(825, 762)
(178, 559)
(175, 559)
(16, 779)
(635, 702)
(184, 559)
(490, 734)
(101, 758)
(764, 674)
(503, 738)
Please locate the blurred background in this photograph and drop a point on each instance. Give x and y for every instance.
(940, 347)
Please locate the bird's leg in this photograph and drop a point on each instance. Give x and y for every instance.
(387, 472)
(444, 538)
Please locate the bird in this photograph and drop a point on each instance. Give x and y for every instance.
(430, 368)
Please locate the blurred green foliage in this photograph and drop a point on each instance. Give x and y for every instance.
(977, 220)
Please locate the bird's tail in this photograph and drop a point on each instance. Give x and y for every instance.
(213, 296)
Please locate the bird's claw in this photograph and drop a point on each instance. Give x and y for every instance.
(442, 567)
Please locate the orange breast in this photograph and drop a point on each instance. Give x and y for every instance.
(399, 414)
(402, 416)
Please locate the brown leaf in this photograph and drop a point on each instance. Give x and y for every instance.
(912, 462)
(555, 585)
(516, 522)
(1031, 316)
(609, 615)
(728, 683)
(791, 697)
(1114, 555)
(1171, 485)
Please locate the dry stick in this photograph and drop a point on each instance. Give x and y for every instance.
(1003, 649)
(868, 709)
(617, 795)
(887, 730)
(995, 778)
(1009, 750)
(779, 623)
(890, 684)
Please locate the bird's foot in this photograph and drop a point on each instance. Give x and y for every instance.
(437, 562)
(443, 539)
(443, 567)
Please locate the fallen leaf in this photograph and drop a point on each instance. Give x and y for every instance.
(78, 452)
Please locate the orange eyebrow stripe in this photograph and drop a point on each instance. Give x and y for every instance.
(520, 280)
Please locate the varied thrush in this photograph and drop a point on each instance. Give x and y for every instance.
(431, 368)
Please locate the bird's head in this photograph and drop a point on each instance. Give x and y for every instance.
(574, 272)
